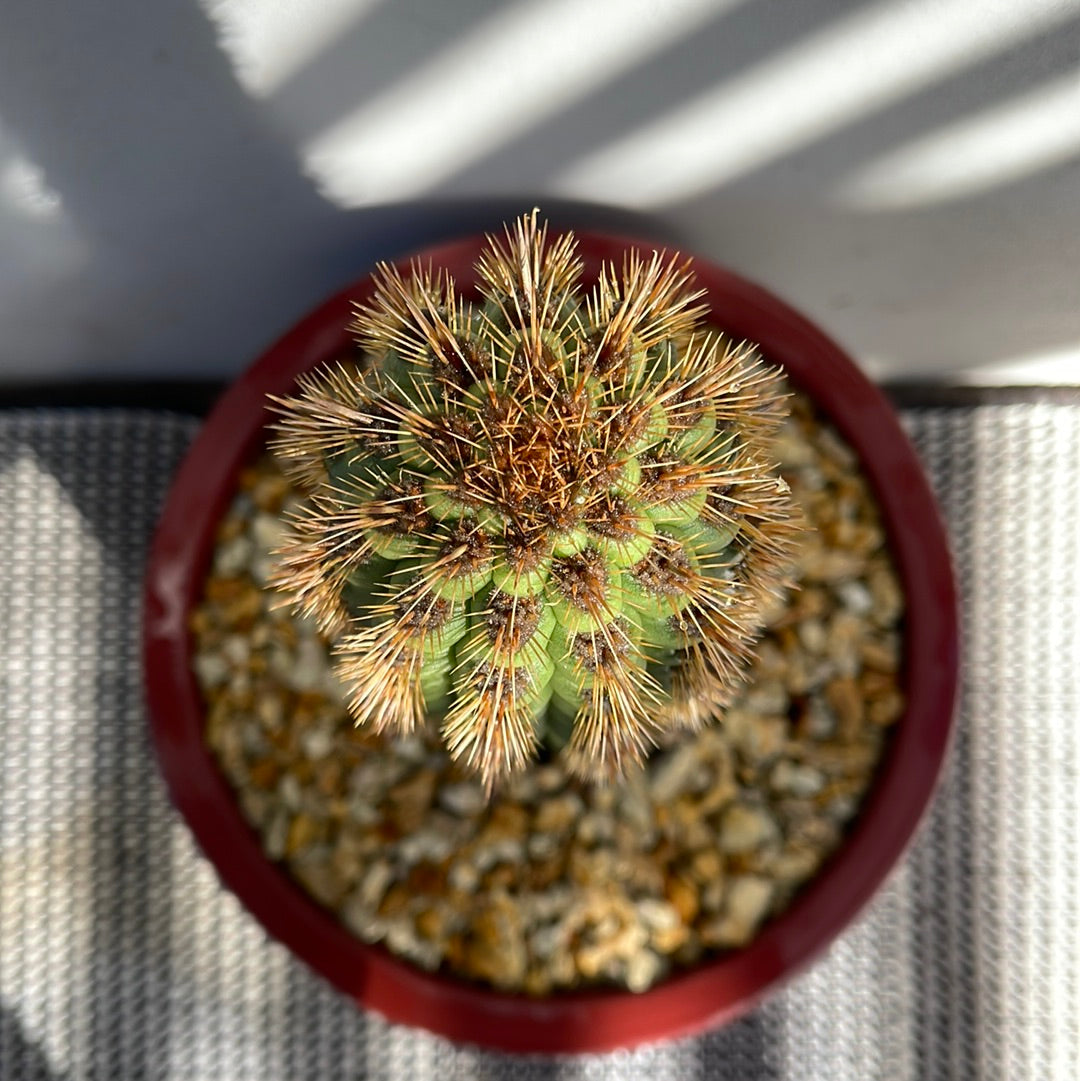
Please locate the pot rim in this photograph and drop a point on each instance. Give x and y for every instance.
(711, 993)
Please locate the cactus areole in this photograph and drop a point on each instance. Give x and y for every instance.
(543, 515)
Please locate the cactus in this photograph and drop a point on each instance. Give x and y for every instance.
(538, 517)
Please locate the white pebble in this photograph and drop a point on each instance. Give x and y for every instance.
(211, 668)
(464, 876)
(768, 698)
(317, 743)
(425, 845)
(672, 774)
(744, 828)
(277, 835)
(797, 780)
(308, 669)
(374, 884)
(289, 791)
(464, 799)
(855, 597)
(657, 915)
(642, 970)
(812, 635)
(232, 557)
(267, 531)
(504, 850)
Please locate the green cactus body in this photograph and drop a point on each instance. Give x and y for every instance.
(539, 516)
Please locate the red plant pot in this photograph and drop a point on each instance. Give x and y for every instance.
(715, 991)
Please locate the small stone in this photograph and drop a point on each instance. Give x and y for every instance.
(886, 710)
(464, 876)
(755, 737)
(643, 969)
(276, 835)
(683, 896)
(411, 799)
(657, 915)
(269, 492)
(319, 876)
(211, 670)
(707, 865)
(669, 939)
(816, 719)
(596, 829)
(270, 709)
(672, 773)
(559, 814)
(812, 635)
(855, 597)
(465, 799)
(795, 779)
(244, 608)
(713, 894)
(317, 743)
(542, 846)
(744, 828)
(402, 938)
(847, 703)
(793, 866)
(307, 672)
(748, 900)
(820, 564)
(232, 558)
(362, 921)
(267, 531)
(264, 774)
(549, 778)
(256, 807)
(602, 798)
(424, 844)
(495, 949)
(303, 831)
(503, 850)
(842, 809)
(888, 598)
(290, 792)
(636, 810)
(506, 822)
(374, 884)
(767, 699)
(881, 656)
(845, 632)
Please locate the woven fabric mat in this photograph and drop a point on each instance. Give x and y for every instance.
(122, 957)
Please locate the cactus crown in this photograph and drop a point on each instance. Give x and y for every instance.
(540, 515)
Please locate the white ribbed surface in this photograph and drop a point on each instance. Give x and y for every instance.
(121, 956)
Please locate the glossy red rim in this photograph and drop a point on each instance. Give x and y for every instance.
(716, 991)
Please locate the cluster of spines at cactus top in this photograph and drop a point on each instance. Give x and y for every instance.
(538, 514)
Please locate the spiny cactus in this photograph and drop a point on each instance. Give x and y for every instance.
(539, 515)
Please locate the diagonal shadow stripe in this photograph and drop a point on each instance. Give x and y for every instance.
(382, 47)
(732, 42)
(981, 87)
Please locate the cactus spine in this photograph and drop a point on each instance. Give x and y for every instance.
(538, 515)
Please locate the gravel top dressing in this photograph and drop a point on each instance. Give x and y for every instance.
(555, 884)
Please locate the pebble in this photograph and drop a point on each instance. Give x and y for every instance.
(797, 780)
(554, 885)
(559, 814)
(744, 828)
(465, 799)
(672, 773)
(748, 899)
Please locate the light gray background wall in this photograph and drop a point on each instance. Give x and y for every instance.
(179, 180)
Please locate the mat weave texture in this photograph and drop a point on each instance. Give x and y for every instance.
(122, 957)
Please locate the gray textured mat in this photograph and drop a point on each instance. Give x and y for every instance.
(121, 957)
